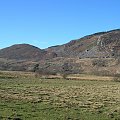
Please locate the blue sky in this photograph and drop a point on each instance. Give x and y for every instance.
(45, 23)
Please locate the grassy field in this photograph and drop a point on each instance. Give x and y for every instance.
(57, 99)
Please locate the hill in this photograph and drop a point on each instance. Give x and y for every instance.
(102, 44)
(98, 53)
(24, 52)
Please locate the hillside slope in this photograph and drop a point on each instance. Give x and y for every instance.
(98, 53)
(25, 52)
(103, 44)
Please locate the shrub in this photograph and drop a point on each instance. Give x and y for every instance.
(102, 73)
(99, 63)
(117, 78)
(64, 76)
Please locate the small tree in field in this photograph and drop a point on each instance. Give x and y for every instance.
(64, 76)
(66, 70)
(117, 78)
(36, 68)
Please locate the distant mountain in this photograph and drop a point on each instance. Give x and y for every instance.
(22, 52)
(102, 44)
(98, 53)
(25, 52)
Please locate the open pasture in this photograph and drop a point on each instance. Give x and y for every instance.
(58, 99)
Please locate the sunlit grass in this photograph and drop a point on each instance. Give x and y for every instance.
(58, 99)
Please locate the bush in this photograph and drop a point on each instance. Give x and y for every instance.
(17, 119)
(99, 63)
(64, 76)
(44, 72)
(102, 73)
(117, 78)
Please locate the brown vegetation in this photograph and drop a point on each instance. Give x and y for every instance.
(98, 53)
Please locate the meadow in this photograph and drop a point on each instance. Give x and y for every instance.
(30, 98)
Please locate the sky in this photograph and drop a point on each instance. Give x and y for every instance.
(45, 23)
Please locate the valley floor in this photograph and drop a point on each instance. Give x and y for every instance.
(58, 99)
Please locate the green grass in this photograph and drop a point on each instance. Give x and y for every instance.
(47, 99)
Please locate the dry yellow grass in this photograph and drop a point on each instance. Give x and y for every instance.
(82, 95)
(90, 77)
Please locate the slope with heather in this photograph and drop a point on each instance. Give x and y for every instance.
(102, 44)
(97, 53)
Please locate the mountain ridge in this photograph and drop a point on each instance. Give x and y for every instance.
(95, 53)
(101, 44)
(84, 44)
